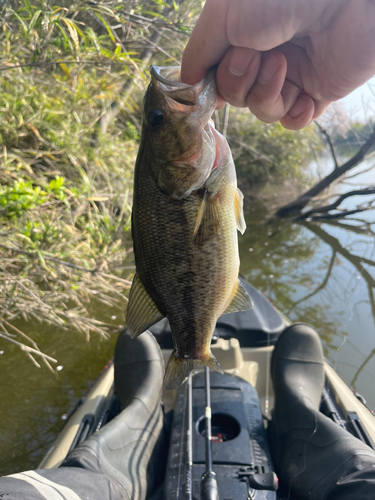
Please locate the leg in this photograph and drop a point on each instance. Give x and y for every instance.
(314, 457)
(67, 483)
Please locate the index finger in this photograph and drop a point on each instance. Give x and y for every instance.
(208, 43)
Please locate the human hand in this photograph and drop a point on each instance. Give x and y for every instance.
(283, 59)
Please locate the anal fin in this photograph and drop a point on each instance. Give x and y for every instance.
(240, 301)
(142, 312)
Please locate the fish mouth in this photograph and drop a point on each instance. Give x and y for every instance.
(167, 80)
(197, 102)
(168, 76)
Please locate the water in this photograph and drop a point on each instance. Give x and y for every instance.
(34, 402)
(323, 275)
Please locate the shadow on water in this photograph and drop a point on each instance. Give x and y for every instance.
(322, 274)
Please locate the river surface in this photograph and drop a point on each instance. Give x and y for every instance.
(320, 274)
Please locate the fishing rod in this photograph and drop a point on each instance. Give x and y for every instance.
(209, 486)
(189, 442)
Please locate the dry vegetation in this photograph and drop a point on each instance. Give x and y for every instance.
(65, 190)
(72, 76)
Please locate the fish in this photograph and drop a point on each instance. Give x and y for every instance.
(186, 212)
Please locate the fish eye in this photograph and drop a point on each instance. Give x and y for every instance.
(155, 118)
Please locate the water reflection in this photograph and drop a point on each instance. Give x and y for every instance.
(323, 275)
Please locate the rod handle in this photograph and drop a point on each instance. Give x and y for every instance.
(209, 486)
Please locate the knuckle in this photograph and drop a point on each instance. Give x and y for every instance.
(231, 93)
(264, 116)
(266, 112)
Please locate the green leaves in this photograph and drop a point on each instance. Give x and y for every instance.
(14, 200)
(263, 152)
(24, 195)
(22, 22)
(104, 22)
(28, 6)
(34, 19)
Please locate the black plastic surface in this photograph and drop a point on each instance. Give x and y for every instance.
(256, 328)
(247, 451)
(352, 423)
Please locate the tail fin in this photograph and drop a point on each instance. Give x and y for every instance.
(178, 369)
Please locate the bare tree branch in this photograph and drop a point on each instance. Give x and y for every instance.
(364, 229)
(340, 215)
(332, 206)
(67, 264)
(297, 205)
(330, 144)
(27, 349)
(337, 247)
(52, 259)
(361, 367)
(321, 286)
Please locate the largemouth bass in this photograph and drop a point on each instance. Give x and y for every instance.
(186, 213)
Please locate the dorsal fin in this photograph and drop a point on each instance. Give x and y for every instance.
(241, 301)
(208, 222)
(238, 210)
(142, 311)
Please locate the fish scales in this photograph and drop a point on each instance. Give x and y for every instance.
(173, 269)
(185, 273)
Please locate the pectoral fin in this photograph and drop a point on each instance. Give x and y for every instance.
(238, 210)
(208, 221)
(142, 311)
(240, 300)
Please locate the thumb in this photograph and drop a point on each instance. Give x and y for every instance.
(208, 43)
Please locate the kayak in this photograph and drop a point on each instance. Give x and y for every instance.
(240, 407)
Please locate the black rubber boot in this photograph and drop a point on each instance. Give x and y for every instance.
(314, 458)
(130, 449)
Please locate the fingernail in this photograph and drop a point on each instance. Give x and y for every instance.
(240, 59)
(268, 69)
(298, 108)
